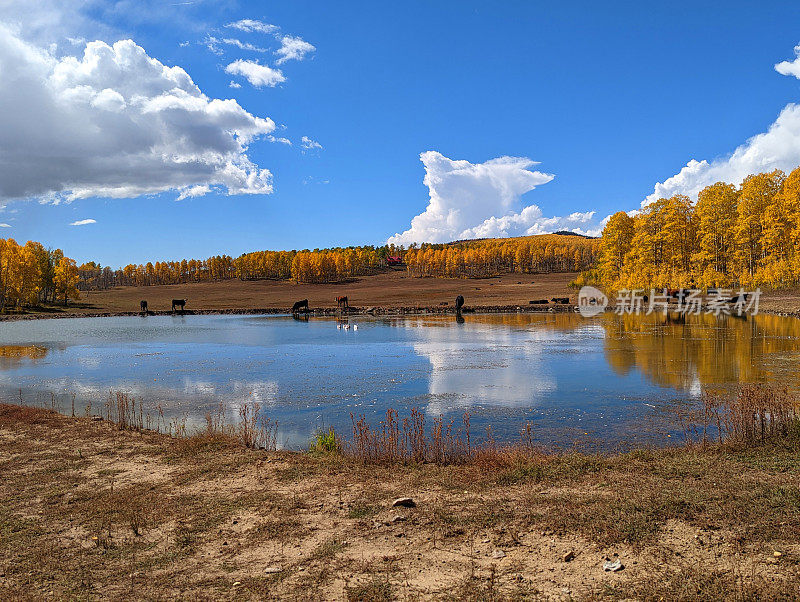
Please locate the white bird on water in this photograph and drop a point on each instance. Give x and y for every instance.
(355, 326)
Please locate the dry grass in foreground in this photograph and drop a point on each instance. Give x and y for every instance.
(92, 511)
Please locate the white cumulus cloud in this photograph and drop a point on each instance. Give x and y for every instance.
(777, 148)
(83, 222)
(790, 67)
(293, 48)
(118, 123)
(5, 225)
(477, 200)
(258, 75)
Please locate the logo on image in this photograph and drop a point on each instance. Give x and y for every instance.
(591, 301)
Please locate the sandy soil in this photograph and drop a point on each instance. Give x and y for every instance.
(89, 511)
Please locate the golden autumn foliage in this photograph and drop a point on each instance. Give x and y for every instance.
(531, 254)
(732, 236)
(325, 265)
(31, 274)
(481, 258)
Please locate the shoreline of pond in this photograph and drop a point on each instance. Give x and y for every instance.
(337, 313)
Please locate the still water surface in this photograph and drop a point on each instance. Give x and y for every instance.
(608, 380)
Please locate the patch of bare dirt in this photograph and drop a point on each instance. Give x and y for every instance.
(89, 511)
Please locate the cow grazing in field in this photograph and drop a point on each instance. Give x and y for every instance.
(178, 303)
(143, 306)
(341, 302)
(560, 300)
(538, 302)
(459, 303)
(300, 306)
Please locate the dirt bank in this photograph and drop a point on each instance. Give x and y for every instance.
(89, 511)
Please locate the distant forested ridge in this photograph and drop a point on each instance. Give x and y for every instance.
(489, 257)
(542, 253)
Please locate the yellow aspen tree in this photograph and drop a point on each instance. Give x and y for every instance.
(615, 245)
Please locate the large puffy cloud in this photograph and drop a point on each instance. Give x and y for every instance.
(115, 122)
(475, 200)
(777, 148)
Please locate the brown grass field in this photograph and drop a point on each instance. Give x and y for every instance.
(391, 289)
(93, 512)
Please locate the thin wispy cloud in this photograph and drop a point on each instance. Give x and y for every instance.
(5, 225)
(215, 44)
(257, 74)
(83, 222)
(293, 48)
(309, 144)
(253, 25)
(285, 141)
(194, 191)
(243, 45)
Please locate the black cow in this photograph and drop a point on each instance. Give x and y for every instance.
(560, 300)
(538, 302)
(143, 306)
(178, 303)
(300, 305)
(459, 303)
(341, 302)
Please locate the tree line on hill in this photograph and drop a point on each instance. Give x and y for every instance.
(528, 255)
(317, 266)
(746, 235)
(32, 275)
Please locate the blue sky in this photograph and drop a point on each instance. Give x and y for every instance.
(609, 100)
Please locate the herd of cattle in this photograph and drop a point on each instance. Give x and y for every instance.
(679, 294)
(342, 304)
(176, 303)
(299, 307)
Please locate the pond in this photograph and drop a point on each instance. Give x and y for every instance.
(604, 382)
